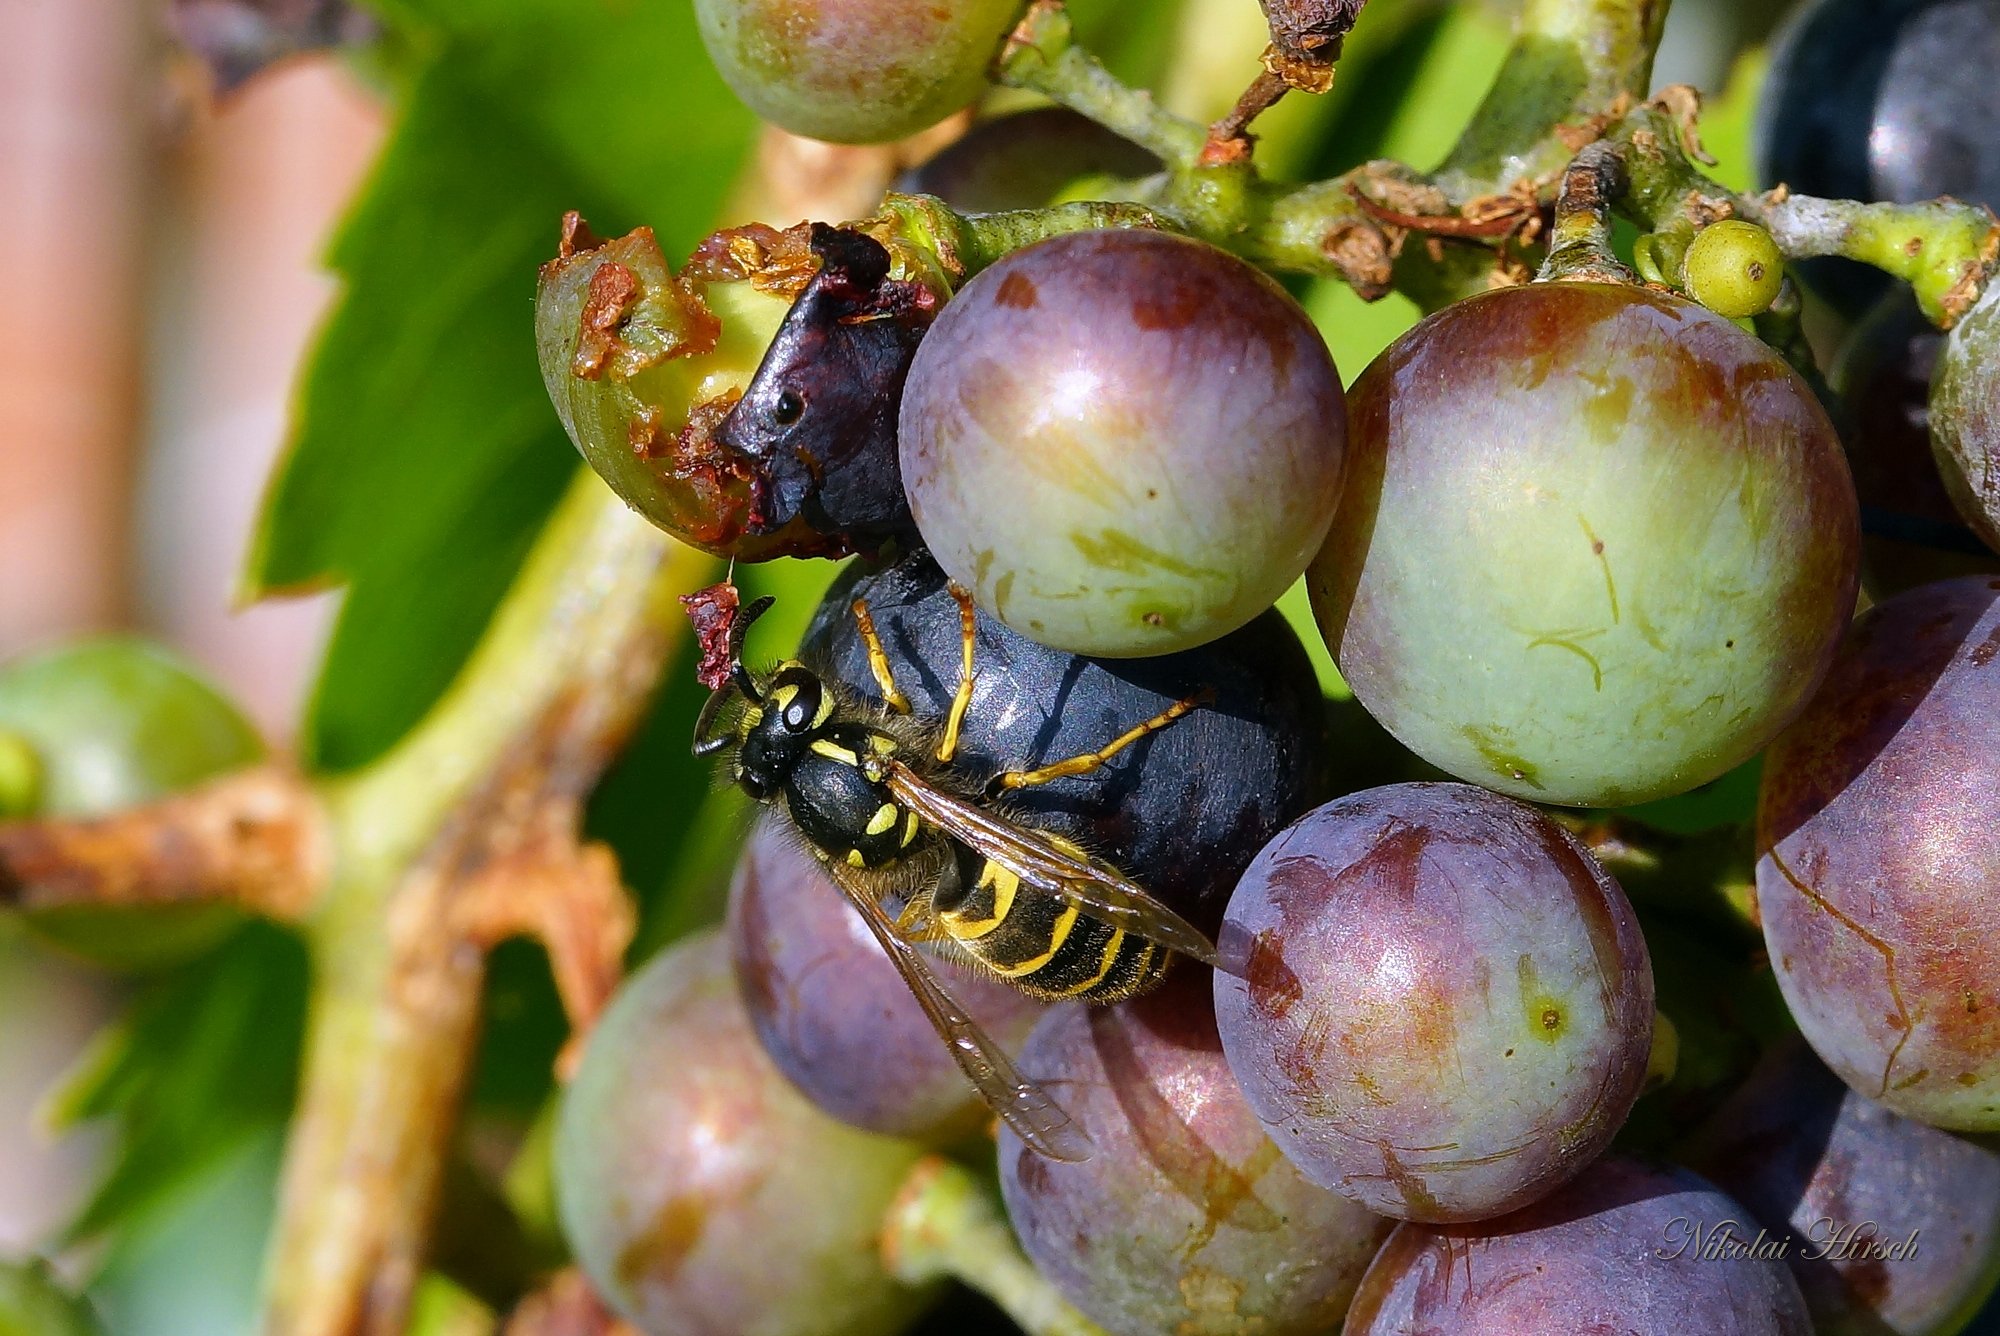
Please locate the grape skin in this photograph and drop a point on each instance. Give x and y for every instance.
(834, 1014)
(1597, 544)
(1185, 1219)
(1123, 442)
(1965, 418)
(1181, 812)
(1611, 1252)
(1799, 1148)
(687, 1169)
(854, 71)
(1445, 1006)
(1878, 873)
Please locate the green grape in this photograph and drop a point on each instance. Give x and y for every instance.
(854, 71)
(101, 725)
(1597, 544)
(1734, 269)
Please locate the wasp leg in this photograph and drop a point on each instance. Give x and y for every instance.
(1088, 761)
(968, 628)
(878, 658)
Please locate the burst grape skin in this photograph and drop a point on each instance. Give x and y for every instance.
(834, 1014)
(1185, 1218)
(1878, 873)
(1444, 1007)
(854, 71)
(687, 1169)
(1597, 544)
(1123, 442)
(1182, 812)
(1799, 1148)
(1587, 1259)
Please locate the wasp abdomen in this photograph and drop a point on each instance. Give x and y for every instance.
(1041, 943)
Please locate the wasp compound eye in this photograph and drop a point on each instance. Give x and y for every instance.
(801, 706)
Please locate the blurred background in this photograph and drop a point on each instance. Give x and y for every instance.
(163, 219)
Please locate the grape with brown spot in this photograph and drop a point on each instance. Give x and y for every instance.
(1597, 544)
(1185, 1218)
(1614, 1251)
(689, 1172)
(855, 71)
(1439, 1004)
(1123, 442)
(1878, 874)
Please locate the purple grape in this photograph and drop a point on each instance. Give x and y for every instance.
(1895, 1225)
(1445, 1006)
(702, 1194)
(1878, 877)
(1185, 1218)
(1622, 1250)
(1123, 442)
(834, 1014)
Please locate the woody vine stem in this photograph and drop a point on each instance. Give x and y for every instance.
(404, 875)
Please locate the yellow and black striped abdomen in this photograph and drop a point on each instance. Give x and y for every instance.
(1041, 944)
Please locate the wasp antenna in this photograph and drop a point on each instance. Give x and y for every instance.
(707, 742)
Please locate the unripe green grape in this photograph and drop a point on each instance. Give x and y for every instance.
(1597, 544)
(89, 728)
(1733, 268)
(855, 71)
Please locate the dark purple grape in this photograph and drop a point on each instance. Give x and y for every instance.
(1882, 100)
(1183, 811)
(1912, 533)
(1024, 161)
(702, 1194)
(1895, 1225)
(1185, 1218)
(1441, 1005)
(1123, 442)
(1596, 546)
(834, 1014)
(1878, 878)
(1623, 1249)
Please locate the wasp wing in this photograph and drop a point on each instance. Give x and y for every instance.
(1027, 1108)
(1101, 891)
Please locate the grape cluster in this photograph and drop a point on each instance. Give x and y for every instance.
(1576, 547)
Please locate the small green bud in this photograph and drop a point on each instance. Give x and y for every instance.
(1734, 269)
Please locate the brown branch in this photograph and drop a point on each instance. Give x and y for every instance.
(257, 839)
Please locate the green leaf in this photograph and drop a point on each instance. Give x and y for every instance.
(32, 1303)
(206, 1057)
(426, 455)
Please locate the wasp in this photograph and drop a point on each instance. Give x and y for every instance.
(881, 804)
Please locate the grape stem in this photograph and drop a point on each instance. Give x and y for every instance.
(258, 840)
(1042, 56)
(945, 1224)
(1580, 240)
